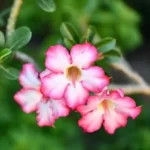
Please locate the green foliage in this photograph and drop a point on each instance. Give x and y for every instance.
(19, 38)
(9, 73)
(2, 39)
(111, 19)
(69, 43)
(3, 13)
(19, 131)
(4, 54)
(116, 19)
(69, 32)
(46, 5)
(106, 44)
(89, 35)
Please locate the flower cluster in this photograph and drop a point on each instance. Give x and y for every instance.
(66, 85)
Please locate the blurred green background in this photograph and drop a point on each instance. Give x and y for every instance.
(127, 21)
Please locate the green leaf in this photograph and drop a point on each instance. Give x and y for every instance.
(106, 44)
(89, 34)
(46, 5)
(9, 73)
(112, 56)
(68, 43)
(2, 16)
(103, 64)
(19, 38)
(2, 39)
(4, 54)
(109, 57)
(114, 53)
(69, 32)
(110, 60)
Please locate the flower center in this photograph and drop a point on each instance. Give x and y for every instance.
(73, 73)
(105, 106)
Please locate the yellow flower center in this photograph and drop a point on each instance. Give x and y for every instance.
(105, 106)
(73, 73)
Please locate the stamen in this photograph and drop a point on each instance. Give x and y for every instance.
(105, 106)
(73, 74)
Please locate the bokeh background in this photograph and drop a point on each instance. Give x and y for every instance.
(129, 22)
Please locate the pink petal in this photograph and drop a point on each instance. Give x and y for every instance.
(45, 115)
(75, 96)
(83, 109)
(57, 58)
(59, 108)
(92, 104)
(104, 92)
(29, 77)
(132, 112)
(91, 122)
(93, 101)
(44, 73)
(83, 55)
(125, 102)
(120, 91)
(94, 79)
(114, 120)
(28, 99)
(54, 85)
(114, 95)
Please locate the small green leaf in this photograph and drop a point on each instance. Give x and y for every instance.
(46, 5)
(68, 43)
(112, 59)
(69, 32)
(89, 34)
(9, 73)
(19, 38)
(106, 44)
(2, 16)
(114, 53)
(112, 56)
(4, 54)
(2, 39)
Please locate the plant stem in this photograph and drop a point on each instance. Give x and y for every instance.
(10, 28)
(13, 16)
(131, 89)
(141, 87)
(26, 58)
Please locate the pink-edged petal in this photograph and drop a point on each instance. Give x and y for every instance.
(132, 112)
(44, 73)
(83, 55)
(91, 122)
(93, 101)
(94, 79)
(75, 96)
(83, 109)
(45, 115)
(114, 95)
(104, 92)
(120, 91)
(92, 104)
(28, 99)
(59, 108)
(125, 102)
(114, 120)
(54, 85)
(29, 77)
(57, 58)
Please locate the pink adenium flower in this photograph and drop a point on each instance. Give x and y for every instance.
(110, 109)
(72, 75)
(31, 99)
